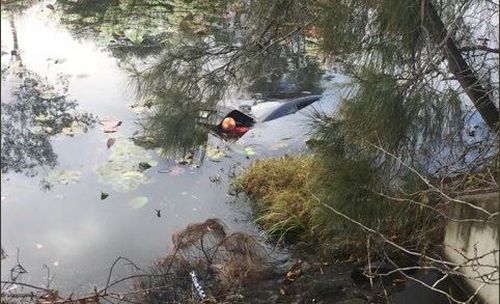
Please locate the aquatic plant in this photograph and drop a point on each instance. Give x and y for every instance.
(123, 169)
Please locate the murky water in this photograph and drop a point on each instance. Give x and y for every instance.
(54, 177)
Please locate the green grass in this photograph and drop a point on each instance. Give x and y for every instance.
(280, 188)
(289, 194)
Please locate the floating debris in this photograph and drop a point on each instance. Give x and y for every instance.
(110, 142)
(143, 166)
(104, 195)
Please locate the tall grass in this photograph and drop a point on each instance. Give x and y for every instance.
(289, 194)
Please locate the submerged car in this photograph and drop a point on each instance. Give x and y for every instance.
(234, 123)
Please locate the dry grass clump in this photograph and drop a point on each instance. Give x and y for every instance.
(222, 262)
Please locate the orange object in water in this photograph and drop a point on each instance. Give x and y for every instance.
(228, 123)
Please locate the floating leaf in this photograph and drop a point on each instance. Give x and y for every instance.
(144, 166)
(249, 151)
(110, 142)
(104, 195)
(63, 177)
(215, 153)
(120, 170)
(110, 125)
(138, 202)
(48, 94)
(75, 128)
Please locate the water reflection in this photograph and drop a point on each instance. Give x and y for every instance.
(86, 233)
(31, 113)
(197, 55)
(126, 28)
(196, 74)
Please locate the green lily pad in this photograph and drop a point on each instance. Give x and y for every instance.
(249, 151)
(138, 202)
(75, 128)
(63, 177)
(121, 170)
(215, 153)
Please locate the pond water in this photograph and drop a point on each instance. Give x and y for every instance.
(74, 197)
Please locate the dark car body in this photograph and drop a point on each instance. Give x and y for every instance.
(213, 118)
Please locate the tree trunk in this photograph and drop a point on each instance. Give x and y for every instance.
(460, 68)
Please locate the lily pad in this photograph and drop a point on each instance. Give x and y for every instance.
(138, 202)
(121, 169)
(63, 177)
(75, 128)
(215, 153)
(249, 151)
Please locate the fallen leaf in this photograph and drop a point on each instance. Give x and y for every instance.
(110, 125)
(110, 142)
(138, 202)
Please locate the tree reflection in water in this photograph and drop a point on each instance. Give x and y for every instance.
(34, 113)
(193, 55)
(31, 113)
(196, 71)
